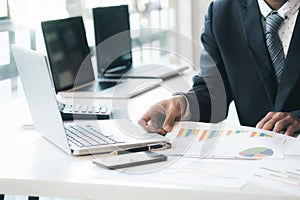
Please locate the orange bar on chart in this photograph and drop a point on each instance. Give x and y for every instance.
(229, 132)
(180, 132)
(254, 134)
(204, 135)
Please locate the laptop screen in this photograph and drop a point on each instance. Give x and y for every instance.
(113, 41)
(68, 52)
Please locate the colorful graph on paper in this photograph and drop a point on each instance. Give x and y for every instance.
(252, 134)
(206, 134)
(258, 134)
(235, 132)
(209, 134)
(185, 132)
(241, 142)
(257, 152)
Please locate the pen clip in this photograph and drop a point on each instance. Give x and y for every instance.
(150, 147)
(165, 146)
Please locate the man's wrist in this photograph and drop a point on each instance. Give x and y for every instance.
(185, 113)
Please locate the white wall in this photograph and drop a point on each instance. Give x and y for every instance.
(190, 19)
(199, 10)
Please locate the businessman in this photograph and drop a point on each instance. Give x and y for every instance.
(251, 56)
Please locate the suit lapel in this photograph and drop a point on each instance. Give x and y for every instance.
(251, 21)
(291, 72)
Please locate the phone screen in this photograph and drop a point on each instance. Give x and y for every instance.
(130, 159)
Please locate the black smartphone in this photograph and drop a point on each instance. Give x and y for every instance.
(130, 159)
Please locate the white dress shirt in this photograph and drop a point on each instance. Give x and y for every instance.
(289, 12)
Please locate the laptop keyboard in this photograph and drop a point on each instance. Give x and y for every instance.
(88, 136)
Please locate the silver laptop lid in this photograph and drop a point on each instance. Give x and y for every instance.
(40, 95)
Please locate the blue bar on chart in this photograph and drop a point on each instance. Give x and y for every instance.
(258, 134)
(233, 132)
(185, 132)
(209, 134)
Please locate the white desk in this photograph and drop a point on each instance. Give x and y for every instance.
(30, 165)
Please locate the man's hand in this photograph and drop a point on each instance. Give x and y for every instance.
(280, 121)
(160, 117)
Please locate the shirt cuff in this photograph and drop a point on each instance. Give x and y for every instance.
(185, 112)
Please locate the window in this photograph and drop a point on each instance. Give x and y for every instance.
(4, 14)
(149, 22)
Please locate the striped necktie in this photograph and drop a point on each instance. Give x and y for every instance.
(273, 23)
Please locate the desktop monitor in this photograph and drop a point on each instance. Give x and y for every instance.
(68, 52)
(112, 39)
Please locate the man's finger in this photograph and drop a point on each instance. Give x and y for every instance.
(267, 118)
(290, 130)
(162, 132)
(293, 128)
(151, 129)
(143, 122)
(146, 117)
(269, 125)
(281, 125)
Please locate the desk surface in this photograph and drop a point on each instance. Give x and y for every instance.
(30, 165)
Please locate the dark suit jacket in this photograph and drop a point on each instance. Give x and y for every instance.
(235, 65)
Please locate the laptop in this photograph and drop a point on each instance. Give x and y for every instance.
(70, 63)
(74, 137)
(114, 47)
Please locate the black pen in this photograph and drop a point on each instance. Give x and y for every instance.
(150, 147)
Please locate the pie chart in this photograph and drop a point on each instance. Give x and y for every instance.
(257, 152)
